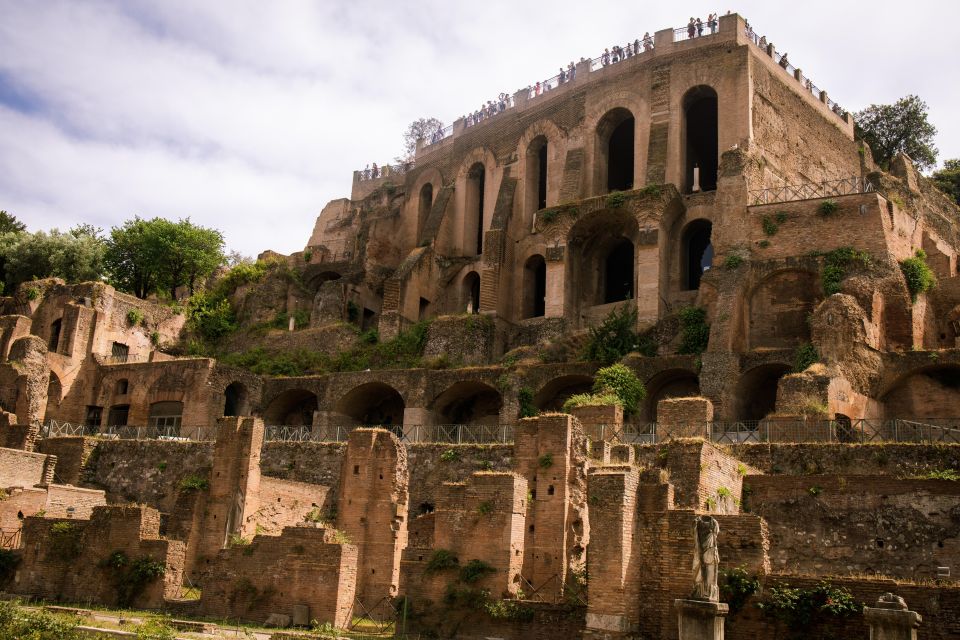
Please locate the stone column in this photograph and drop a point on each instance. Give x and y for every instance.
(700, 619)
(891, 620)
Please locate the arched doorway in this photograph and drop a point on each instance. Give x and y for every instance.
(54, 395)
(470, 293)
(372, 404)
(618, 272)
(468, 403)
(932, 392)
(474, 205)
(697, 253)
(294, 407)
(55, 328)
(536, 174)
(615, 150)
(423, 209)
(553, 394)
(700, 129)
(235, 402)
(534, 287)
(676, 383)
(756, 391)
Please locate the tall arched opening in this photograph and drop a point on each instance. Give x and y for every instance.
(474, 206)
(615, 150)
(536, 174)
(468, 403)
(55, 329)
(700, 138)
(618, 272)
(602, 264)
(534, 287)
(553, 394)
(236, 400)
(294, 407)
(372, 404)
(470, 293)
(424, 206)
(756, 391)
(697, 253)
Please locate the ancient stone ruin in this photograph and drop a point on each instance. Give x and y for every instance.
(426, 473)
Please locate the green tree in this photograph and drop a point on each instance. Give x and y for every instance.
(146, 255)
(900, 127)
(10, 224)
(75, 256)
(948, 179)
(420, 129)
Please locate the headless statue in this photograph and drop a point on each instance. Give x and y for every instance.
(706, 559)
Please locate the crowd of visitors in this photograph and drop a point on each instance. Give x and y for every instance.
(696, 26)
(616, 53)
(372, 171)
(488, 110)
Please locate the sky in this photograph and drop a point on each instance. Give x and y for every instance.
(249, 116)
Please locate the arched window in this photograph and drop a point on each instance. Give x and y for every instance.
(470, 293)
(166, 414)
(536, 170)
(615, 150)
(235, 400)
(473, 228)
(700, 120)
(618, 272)
(697, 253)
(426, 202)
(534, 287)
(55, 328)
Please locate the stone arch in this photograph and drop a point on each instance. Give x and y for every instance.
(927, 392)
(372, 404)
(535, 286)
(475, 180)
(236, 400)
(468, 402)
(54, 395)
(700, 135)
(615, 157)
(696, 251)
(602, 265)
(470, 293)
(430, 177)
(293, 407)
(779, 306)
(755, 394)
(673, 383)
(554, 393)
(540, 188)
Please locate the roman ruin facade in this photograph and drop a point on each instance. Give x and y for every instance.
(700, 173)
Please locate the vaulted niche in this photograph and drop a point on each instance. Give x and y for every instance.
(700, 131)
(615, 150)
(697, 253)
(473, 221)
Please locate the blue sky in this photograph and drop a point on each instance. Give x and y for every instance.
(250, 116)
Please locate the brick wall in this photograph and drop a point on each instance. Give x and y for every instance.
(285, 503)
(72, 454)
(300, 566)
(24, 469)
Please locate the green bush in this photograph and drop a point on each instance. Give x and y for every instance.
(548, 216)
(828, 207)
(619, 380)
(134, 317)
(802, 610)
(616, 199)
(131, 577)
(441, 560)
(942, 474)
(155, 630)
(508, 610)
(652, 190)
(591, 400)
(917, 272)
(613, 338)
(210, 316)
(475, 570)
(193, 482)
(733, 261)
(804, 356)
(450, 455)
(18, 622)
(525, 398)
(736, 587)
(769, 226)
(545, 461)
(65, 540)
(835, 266)
(33, 293)
(694, 331)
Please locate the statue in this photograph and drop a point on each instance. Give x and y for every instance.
(706, 559)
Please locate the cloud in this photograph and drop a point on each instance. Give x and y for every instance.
(250, 116)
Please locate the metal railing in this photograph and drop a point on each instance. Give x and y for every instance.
(385, 171)
(811, 190)
(10, 538)
(438, 136)
(692, 32)
(438, 433)
(57, 429)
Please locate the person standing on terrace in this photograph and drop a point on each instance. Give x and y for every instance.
(647, 41)
(571, 71)
(605, 58)
(691, 28)
(699, 28)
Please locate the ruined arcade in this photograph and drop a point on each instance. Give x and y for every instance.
(799, 427)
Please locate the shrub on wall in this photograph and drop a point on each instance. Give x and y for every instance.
(835, 266)
(65, 540)
(736, 587)
(694, 331)
(131, 577)
(917, 272)
(591, 400)
(619, 380)
(804, 356)
(613, 338)
(828, 207)
(134, 317)
(525, 398)
(800, 611)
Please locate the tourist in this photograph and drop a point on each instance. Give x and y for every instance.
(763, 42)
(783, 61)
(562, 76)
(636, 46)
(629, 50)
(366, 172)
(374, 172)
(616, 54)
(809, 85)
(691, 28)
(647, 41)
(536, 89)
(699, 28)
(712, 21)
(605, 57)
(571, 71)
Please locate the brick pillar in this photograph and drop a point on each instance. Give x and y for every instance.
(234, 493)
(891, 620)
(551, 453)
(372, 510)
(611, 612)
(684, 417)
